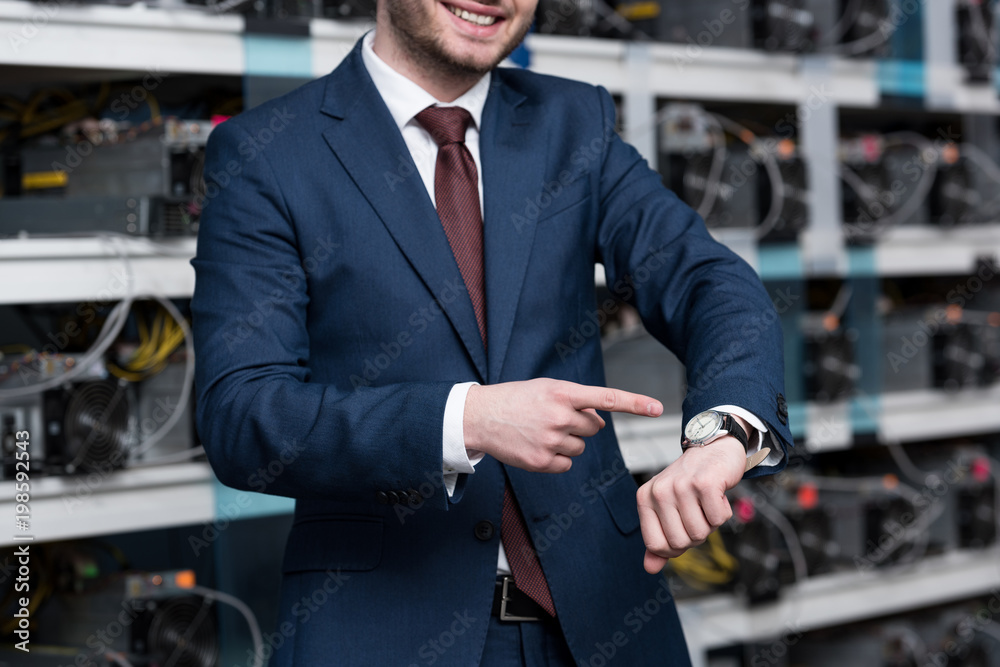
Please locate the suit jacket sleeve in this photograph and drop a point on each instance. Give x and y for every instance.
(694, 295)
(264, 425)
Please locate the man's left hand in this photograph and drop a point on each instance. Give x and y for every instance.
(683, 504)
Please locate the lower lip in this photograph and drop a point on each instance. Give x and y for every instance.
(472, 28)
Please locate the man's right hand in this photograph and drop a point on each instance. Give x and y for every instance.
(539, 425)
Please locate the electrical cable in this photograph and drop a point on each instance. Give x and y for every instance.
(187, 383)
(912, 203)
(991, 629)
(982, 159)
(983, 33)
(117, 658)
(617, 21)
(906, 464)
(227, 6)
(167, 459)
(109, 333)
(841, 301)
(843, 24)
(707, 565)
(240, 606)
(784, 526)
(770, 166)
(909, 640)
(714, 179)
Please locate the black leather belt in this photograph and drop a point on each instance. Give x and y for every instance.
(511, 604)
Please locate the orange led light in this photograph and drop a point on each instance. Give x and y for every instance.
(786, 148)
(745, 510)
(831, 322)
(950, 154)
(808, 496)
(157, 580)
(890, 482)
(954, 313)
(184, 579)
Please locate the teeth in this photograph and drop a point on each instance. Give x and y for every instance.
(472, 18)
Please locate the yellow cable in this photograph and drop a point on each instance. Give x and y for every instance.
(154, 108)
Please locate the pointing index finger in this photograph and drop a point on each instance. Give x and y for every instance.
(615, 400)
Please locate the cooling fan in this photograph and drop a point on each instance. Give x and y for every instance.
(958, 359)
(869, 19)
(955, 198)
(830, 370)
(783, 25)
(752, 544)
(814, 529)
(92, 425)
(179, 631)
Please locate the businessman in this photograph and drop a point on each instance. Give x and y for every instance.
(391, 283)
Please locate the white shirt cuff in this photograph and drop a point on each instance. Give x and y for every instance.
(753, 446)
(456, 460)
(762, 435)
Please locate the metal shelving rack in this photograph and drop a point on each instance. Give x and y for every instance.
(89, 42)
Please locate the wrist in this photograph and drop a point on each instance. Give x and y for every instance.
(726, 451)
(470, 429)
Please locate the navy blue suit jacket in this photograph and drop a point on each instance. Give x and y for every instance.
(331, 323)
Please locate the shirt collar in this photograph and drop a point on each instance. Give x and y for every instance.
(406, 99)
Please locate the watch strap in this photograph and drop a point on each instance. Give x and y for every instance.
(733, 428)
(757, 458)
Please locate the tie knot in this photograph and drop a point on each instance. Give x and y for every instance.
(447, 125)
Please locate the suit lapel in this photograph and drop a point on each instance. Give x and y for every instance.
(372, 150)
(513, 156)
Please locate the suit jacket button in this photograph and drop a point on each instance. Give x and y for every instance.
(484, 531)
(414, 497)
(382, 497)
(394, 498)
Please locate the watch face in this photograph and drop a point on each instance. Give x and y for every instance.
(703, 426)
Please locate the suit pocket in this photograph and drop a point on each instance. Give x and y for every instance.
(619, 496)
(572, 196)
(334, 543)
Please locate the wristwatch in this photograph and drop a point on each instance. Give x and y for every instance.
(709, 426)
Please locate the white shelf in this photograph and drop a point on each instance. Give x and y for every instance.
(648, 445)
(106, 502)
(332, 41)
(833, 599)
(708, 74)
(907, 251)
(928, 414)
(51, 270)
(134, 39)
(102, 504)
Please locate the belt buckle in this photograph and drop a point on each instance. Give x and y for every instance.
(504, 598)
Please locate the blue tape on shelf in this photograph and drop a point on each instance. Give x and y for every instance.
(231, 504)
(269, 55)
(797, 419)
(864, 318)
(861, 262)
(780, 262)
(901, 77)
(865, 412)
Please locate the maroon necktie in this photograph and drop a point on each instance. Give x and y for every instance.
(456, 192)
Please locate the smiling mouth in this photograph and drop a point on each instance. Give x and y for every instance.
(475, 19)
